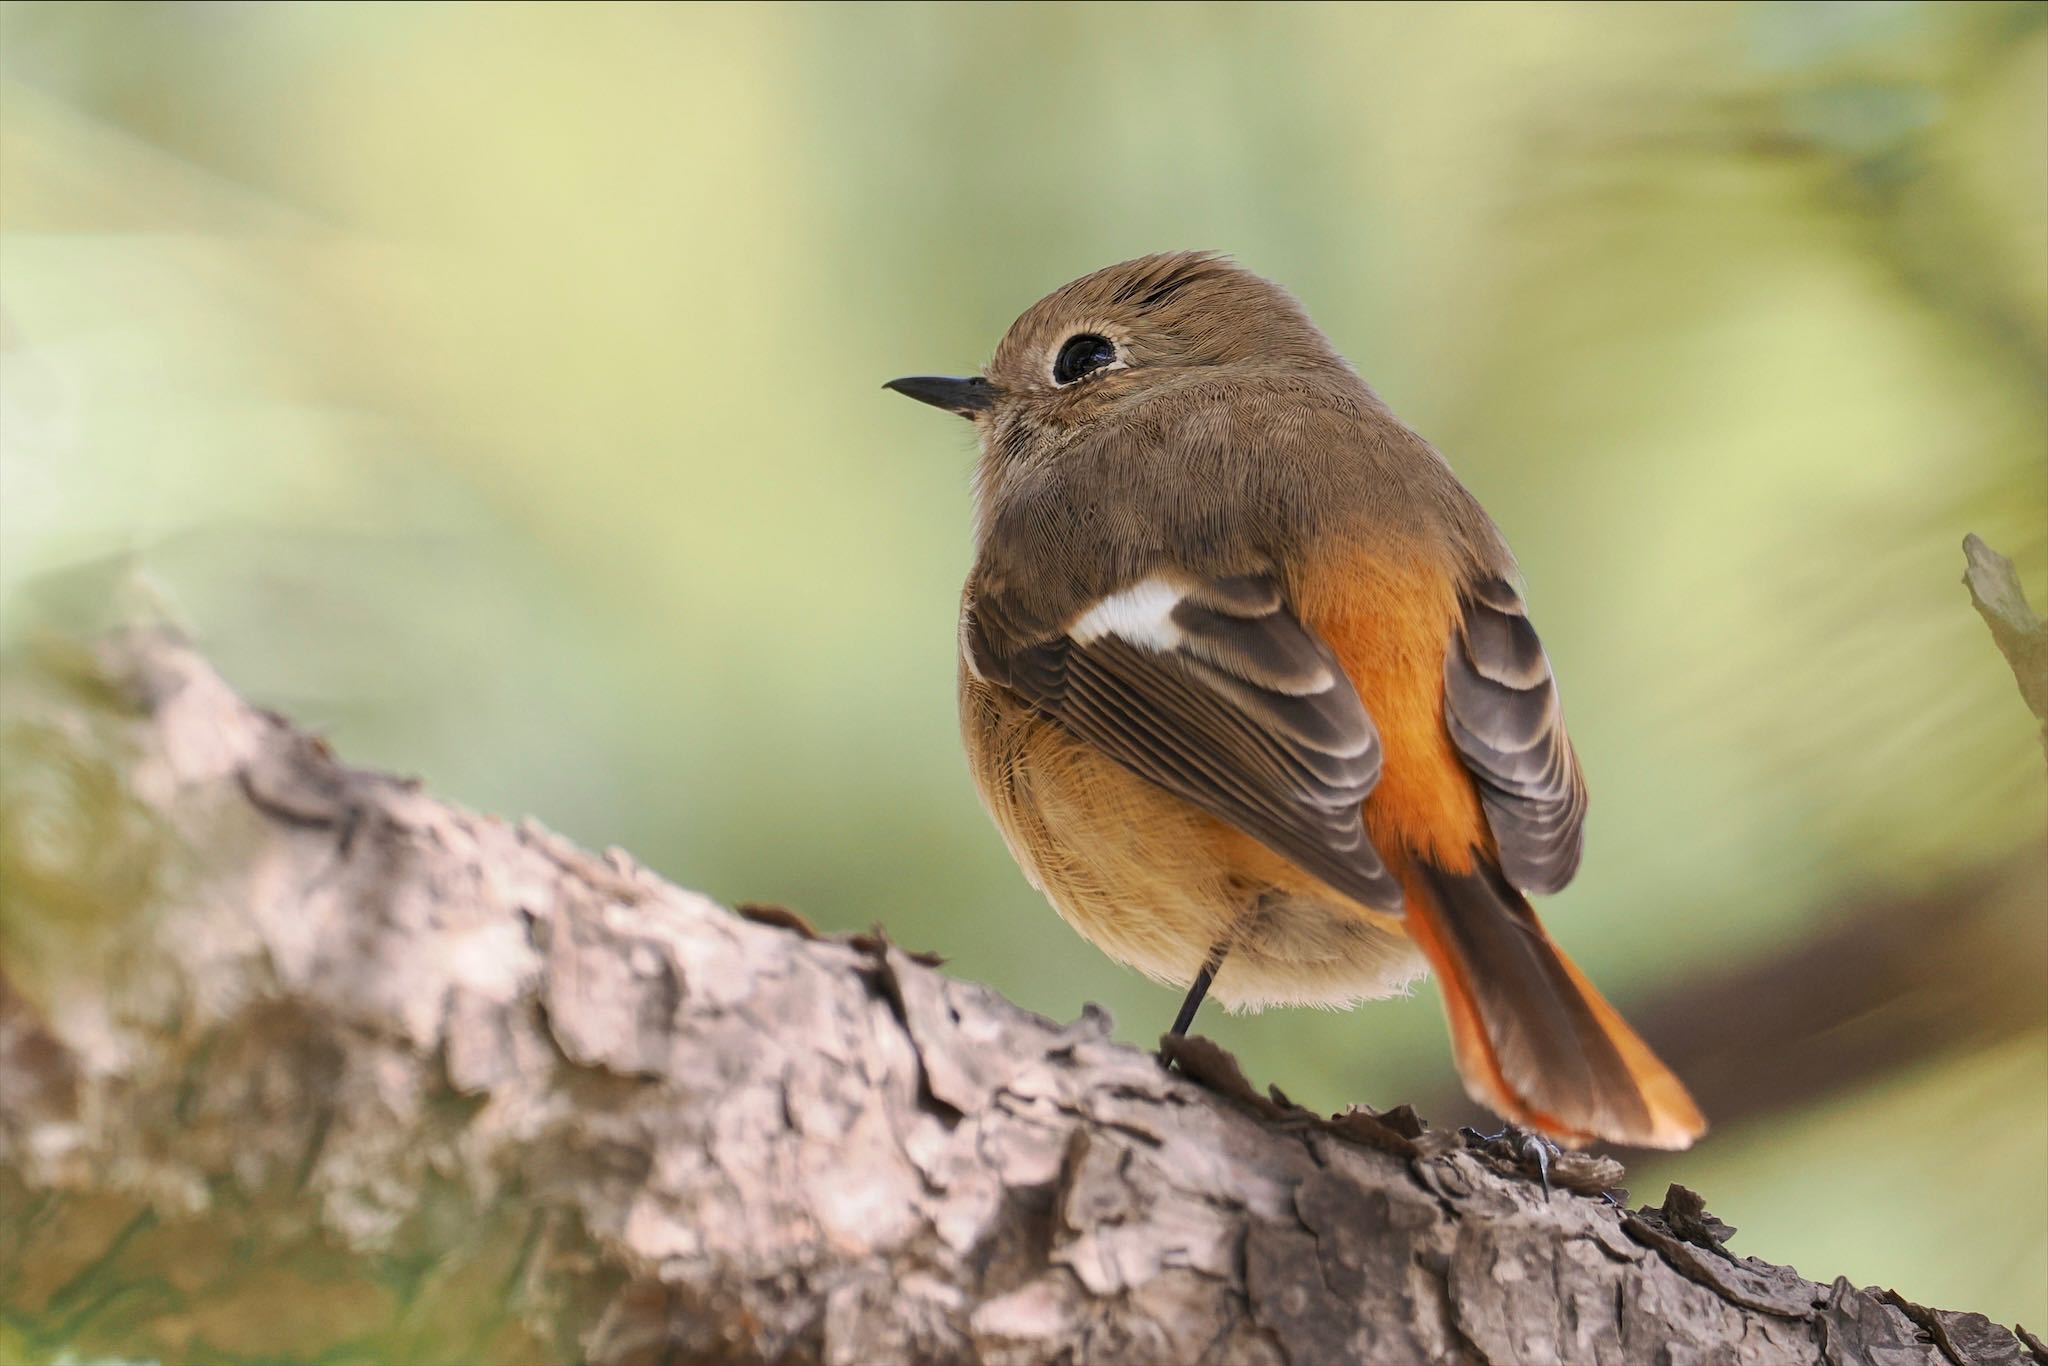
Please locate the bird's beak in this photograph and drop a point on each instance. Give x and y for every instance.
(966, 397)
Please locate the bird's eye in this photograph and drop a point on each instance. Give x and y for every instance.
(1082, 354)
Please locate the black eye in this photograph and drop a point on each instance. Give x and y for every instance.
(1081, 354)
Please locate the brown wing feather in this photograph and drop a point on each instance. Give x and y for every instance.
(1500, 704)
(1249, 717)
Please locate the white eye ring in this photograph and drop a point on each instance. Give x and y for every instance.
(1082, 355)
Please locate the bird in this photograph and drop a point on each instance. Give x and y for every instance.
(1249, 686)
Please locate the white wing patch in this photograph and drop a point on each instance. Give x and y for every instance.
(1141, 614)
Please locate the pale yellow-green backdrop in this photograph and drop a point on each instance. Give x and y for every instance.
(497, 388)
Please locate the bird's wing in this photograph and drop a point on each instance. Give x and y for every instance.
(1214, 690)
(1500, 705)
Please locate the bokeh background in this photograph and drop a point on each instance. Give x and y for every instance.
(496, 388)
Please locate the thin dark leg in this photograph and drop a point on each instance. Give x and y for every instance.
(1196, 992)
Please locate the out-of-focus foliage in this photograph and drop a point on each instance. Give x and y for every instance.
(497, 388)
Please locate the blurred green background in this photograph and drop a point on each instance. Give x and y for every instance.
(495, 388)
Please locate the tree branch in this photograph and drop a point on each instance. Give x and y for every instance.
(2021, 636)
(295, 1059)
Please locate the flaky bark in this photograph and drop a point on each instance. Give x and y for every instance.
(2021, 636)
(295, 1059)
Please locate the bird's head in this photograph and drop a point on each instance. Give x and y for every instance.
(1128, 332)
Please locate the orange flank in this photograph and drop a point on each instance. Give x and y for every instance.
(1389, 617)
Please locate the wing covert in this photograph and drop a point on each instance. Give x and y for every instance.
(1214, 690)
(1501, 708)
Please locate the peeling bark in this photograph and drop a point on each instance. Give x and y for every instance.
(2020, 636)
(297, 1060)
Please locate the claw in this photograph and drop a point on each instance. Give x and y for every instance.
(1538, 1150)
(1533, 1150)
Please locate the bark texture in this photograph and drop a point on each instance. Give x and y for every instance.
(297, 1060)
(2021, 636)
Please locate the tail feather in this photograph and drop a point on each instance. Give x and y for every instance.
(1534, 1041)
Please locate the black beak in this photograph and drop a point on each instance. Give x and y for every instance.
(963, 396)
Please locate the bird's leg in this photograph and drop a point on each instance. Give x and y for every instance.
(1193, 1003)
(1534, 1150)
(1538, 1149)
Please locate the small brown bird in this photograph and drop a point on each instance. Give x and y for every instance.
(1247, 684)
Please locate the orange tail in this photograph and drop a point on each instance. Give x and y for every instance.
(1534, 1041)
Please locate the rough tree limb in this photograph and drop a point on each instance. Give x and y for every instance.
(297, 1060)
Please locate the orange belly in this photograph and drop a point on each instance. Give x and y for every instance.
(1157, 883)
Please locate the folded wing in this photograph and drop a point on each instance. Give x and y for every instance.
(1501, 708)
(1214, 690)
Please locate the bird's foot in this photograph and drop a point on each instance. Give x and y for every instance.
(1529, 1151)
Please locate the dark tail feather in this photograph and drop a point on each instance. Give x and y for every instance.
(1534, 1041)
